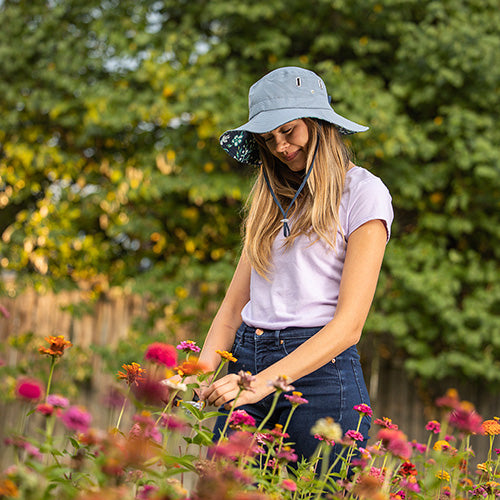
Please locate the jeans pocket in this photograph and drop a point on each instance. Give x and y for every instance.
(289, 345)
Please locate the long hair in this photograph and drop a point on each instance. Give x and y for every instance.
(316, 210)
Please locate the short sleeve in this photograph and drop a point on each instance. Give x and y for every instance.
(369, 200)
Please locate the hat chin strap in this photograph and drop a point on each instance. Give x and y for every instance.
(286, 227)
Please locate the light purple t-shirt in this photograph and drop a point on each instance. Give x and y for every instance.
(304, 283)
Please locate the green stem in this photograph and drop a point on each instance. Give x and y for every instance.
(324, 470)
(52, 364)
(219, 368)
(167, 406)
(229, 416)
(271, 411)
(123, 409)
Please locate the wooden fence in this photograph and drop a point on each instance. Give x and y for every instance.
(393, 393)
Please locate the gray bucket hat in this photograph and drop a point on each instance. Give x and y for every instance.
(279, 97)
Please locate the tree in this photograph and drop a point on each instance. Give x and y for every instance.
(111, 174)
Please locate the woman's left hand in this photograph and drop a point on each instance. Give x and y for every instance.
(226, 389)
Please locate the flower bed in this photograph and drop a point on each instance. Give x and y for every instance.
(168, 440)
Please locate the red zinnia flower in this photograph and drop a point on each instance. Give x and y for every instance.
(163, 354)
(29, 389)
(408, 469)
(45, 409)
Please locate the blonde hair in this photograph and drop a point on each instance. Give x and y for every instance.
(316, 210)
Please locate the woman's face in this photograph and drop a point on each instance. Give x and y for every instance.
(288, 143)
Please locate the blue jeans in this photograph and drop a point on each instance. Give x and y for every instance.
(332, 390)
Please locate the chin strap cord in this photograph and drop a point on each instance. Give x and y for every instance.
(286, 227)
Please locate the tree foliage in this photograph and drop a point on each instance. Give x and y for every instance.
(111, 174)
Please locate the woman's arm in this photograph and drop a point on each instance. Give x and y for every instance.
(228, 318)
(364, 254)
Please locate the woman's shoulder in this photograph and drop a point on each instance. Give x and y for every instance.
(359, 180)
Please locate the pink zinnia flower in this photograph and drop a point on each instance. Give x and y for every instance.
(330, 442)
(357, 436)
(239, 444)
(287, 454)
(29, 389)
(450, 400)
(145, 426)
(151, 391)
(163, 354)
(241, 417)
(296, 398)
(395, 442)
(21, 443)
(281, 384)
(410, 484)
(385, 422)
(289, 485)
(76, 418)
(245, 381)
(188, 346)
(421, 448)
(4, 312)
(146, 491)
(173, 423)
(466, 420)
(434, 426)
(364, 409)
(57, 401)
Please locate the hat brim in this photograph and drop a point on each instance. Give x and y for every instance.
(240, 144)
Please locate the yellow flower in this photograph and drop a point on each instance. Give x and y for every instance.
(227, 356)
(491, 427)
(484, 467)
(441, 444)
(443, 475)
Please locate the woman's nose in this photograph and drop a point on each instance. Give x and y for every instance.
(281, 145)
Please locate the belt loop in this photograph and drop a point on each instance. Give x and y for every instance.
(277, 337)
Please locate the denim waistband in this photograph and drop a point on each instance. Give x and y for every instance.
(246, 333)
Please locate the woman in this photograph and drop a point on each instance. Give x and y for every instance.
(315, 236)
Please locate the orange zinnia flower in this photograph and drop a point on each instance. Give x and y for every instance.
(227, 356)
(191, 367)
(57, 346)
(133, 373)
(491, 427)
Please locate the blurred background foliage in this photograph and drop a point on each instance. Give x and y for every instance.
(111, 174)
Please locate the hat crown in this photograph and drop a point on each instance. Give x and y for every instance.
(287, 88)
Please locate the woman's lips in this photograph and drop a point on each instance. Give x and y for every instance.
(292, 156)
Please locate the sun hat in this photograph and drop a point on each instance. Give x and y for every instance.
(279, 97)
